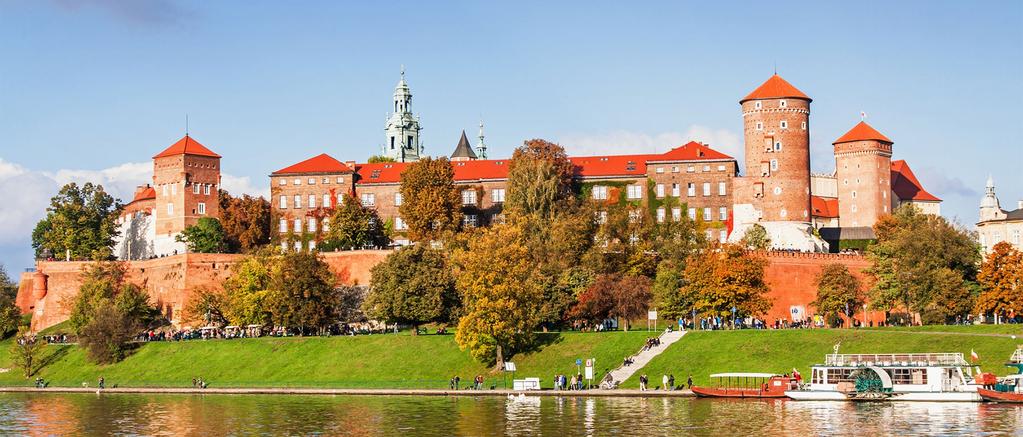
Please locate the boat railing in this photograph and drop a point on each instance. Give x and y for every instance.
(926, 359)
(1017, 356)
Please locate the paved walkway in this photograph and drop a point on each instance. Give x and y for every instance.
(641, 359)
(352, 392)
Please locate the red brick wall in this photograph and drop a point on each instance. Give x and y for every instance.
(792, 276)
(863, 168)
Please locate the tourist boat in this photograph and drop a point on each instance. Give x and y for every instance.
(746, 385)
(890, 377)
(1010, 388)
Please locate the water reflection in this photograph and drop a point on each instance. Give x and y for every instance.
(184, 415)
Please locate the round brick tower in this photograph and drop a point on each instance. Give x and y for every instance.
(776, 129)
(863, 165)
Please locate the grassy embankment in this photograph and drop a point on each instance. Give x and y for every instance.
(703, 353)
(373, 361)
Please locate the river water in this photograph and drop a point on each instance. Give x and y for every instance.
(216, 415)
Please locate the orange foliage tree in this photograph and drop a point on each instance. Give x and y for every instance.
(723, 277)
(1001, 278)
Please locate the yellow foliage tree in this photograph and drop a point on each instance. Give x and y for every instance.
(1001, 278)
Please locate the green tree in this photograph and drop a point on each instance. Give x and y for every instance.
(107, 337)
(413, 286)
(205, 236)
(247, 291)
(838, 292)
(431, 206)
(108, 311)
(1001, 279)
(539, 180)
(79, 222)
(378, 158)
(246, 222)
(501, 299)
(756, 238)
(25, 352)
(209, 306)
(100, 283)
(352, 226)
(669, 297)
(303, 293)
(10, 314)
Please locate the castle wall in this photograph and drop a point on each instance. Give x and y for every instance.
(792, 278)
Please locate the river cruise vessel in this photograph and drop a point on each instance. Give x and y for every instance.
(1010, 388)
(890, 377)
(746, 385)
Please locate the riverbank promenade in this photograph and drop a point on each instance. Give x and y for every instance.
(353, 392)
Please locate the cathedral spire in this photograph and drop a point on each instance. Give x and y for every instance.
(402, 127)
(481, 148)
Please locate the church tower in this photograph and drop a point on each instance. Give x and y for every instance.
(186, 178)
(402, 128)
(776, 130)
(863, 165)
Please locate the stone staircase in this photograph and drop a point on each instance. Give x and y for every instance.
(641, 359)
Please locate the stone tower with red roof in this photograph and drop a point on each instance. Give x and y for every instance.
(186, 178)
(863, 162)
(776, 119)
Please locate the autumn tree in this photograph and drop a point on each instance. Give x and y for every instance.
(209, 306)
(1001, 281)
(922, 262)
(303, 293)
(614, 296)
(596, 302)
(431, 206)
(108, 312)
(756, 238)
(723, 277)
(838, 292)
(246, 222)
(352, 226)
(539, 180)
(25, 351)
(413, 286)
(79, 222)
(205, 236)
(501, 298)
(247, 291)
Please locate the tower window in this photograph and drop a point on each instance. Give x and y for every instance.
(784, 124)
(803, 125)
(409, 144)
(195, 188)
(777, 146)
(392, 143)
(777, 191)
(774, 165)
(760, 125)
(854, 194)
(783, 213)
(758, 105)
(202, 208)
(782, 104)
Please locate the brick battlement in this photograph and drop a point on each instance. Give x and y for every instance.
(834, 257)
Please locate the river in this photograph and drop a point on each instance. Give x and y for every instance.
(216, 415)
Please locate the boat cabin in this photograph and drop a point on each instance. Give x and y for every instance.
(929, 372)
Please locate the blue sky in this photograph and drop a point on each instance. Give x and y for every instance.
(90, 90)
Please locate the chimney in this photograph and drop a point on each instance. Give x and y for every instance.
(1019, 204)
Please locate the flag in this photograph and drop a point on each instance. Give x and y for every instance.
(973, 355)
(863, 115)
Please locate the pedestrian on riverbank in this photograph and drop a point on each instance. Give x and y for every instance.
(671, 382)
(689, 382)
(642, 382)
(664, 382)
(102, 382)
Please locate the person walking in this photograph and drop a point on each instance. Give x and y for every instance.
(102, 382)
(642, 382)
(689, 382)
(671, 382)
(664, 382)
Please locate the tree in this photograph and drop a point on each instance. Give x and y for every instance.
(669, 297)
(378, 158)
(614, 296)
(303, 293)
(246, 222)
(431, 206)
(723, 277)
(838, 292)
(247, 291)
(414, 285)
(756, 238)
(911, 256)
(501, 298)
(25, 351)
(10, 314)
(539, 180)
(631, 298)
(352, 226)
(100, 283)
(108, 311)
(1001, 281)
(205, 236)
(209, 306)
(79, 222)
(597, 301)
(108, 335)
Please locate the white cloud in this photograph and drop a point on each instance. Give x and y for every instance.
(622, 142)
(238, 185)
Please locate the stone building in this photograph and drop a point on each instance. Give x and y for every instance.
(185, 186)
(304, 194)
(996, 224)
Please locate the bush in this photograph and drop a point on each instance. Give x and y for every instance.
(107, 336)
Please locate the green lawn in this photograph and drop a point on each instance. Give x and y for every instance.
(373, 361)
(702, 353)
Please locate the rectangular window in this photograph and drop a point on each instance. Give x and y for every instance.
(468, 197)
(170, 209)
(326, 224)
(706, 215)
(760, 125)
(692, 213)
(284, 226)
(312, 245)
(284, 246)
(774, 165)
(660, 170)
(690, 189)
(724, 236)
(369, 199)
(326, 200)
(722, 213)
(469, 220)
(706, 188)
(399, 224)
(635, 192)
(1015, 237)
(676, 213)
(599, 192)
(660, 190)
(164, 189)
(340, 179)
(195, 188)
(206, 189)
(397, 199)
(282, 181)
(690, 169)
(201, 207)
(706, 168)
(311, 181)
(721, 168)
(298, 201)
(312, 224)
(340, 199)
(784, 124)
(498, 195)
(325, 180)
(722, 189)
(298, 225)
(676, 191)
(312, 201)
(660, 215)
(284, 202)
(174, 188)
(674, 169)
(298, 246)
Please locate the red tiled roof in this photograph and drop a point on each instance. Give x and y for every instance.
(862, 132)
(147, 193)
(906, 186)
(322, 163)
(585, 166)
(775, 88)
(187, 146)
(826, 207)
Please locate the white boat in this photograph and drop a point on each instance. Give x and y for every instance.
(890, 377)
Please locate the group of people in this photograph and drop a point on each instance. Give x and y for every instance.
(199, 382)
(667, 383)
(561, 382)
(58, 339)
(651, 343)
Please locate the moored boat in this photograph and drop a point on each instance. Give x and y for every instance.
(746, 385)
(1010, 388)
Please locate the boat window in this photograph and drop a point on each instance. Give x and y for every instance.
(836, 376)
(908, 376)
